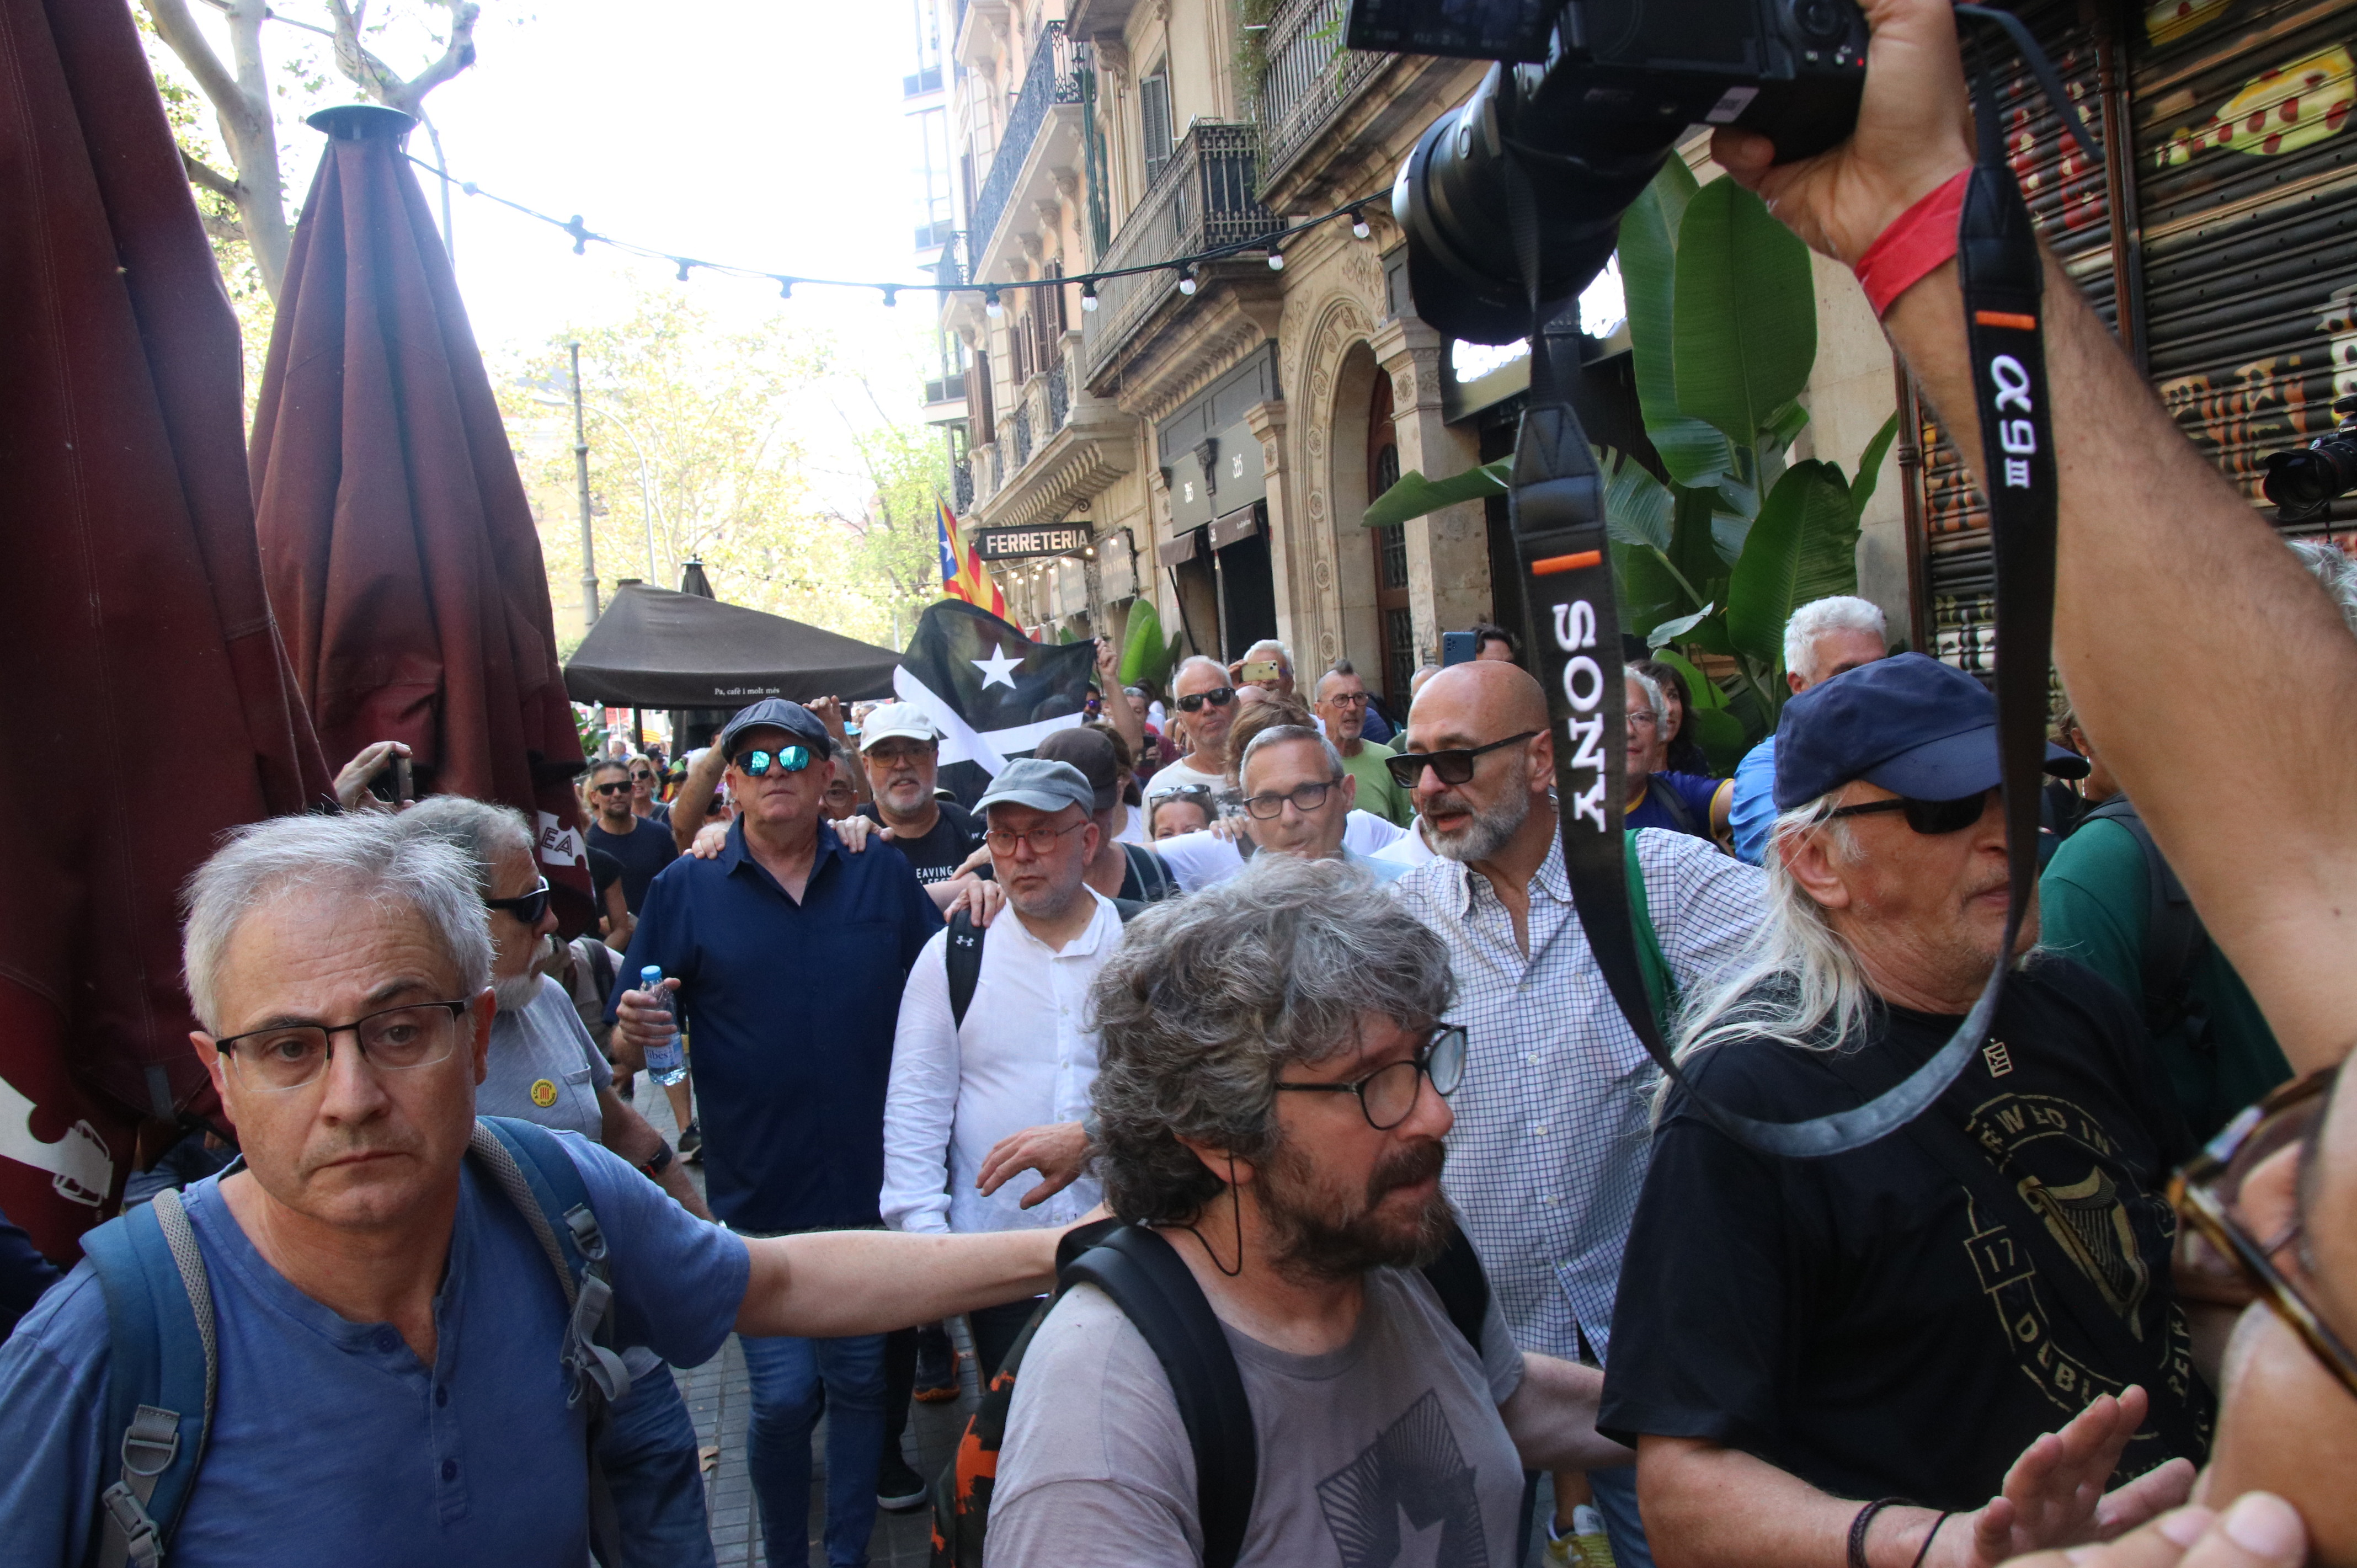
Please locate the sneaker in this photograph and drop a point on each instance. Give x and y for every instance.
(899, 1488)
(1585, 1545)
(937, 1363)
(691, 1139)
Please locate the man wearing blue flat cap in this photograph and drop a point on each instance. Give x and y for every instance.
(1866, 1348)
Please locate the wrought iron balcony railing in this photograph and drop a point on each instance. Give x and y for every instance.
(1051, 78)
(962, 484)
(1206, 197)
(1311, 78)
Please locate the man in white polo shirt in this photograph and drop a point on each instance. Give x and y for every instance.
(973, 1093)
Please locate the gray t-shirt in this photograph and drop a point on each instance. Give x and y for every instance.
(1389, 1450)
(543, 1067)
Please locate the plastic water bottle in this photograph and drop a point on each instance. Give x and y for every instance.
(666, 1063)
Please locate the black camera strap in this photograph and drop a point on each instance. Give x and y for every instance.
(1556, 504)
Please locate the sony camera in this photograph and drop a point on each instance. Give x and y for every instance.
(2303, 481)
(1590, 97)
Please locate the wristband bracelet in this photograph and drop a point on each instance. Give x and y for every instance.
(1928, 1535)
(1919, 240)
(1857, 1528)
(661, 1163)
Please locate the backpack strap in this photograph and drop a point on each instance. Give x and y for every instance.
(531, 1168)
(1152, 872)
(964, 959)
(1157, 1293)
(1463, 1288)
(163, 1374)
(1661, 982)
(2174, 937)
(1674, 803)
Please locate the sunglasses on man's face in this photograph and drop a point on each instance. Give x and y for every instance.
(785, 759)
(530, 908)
(614, 787)
(1218, 696)
(1933, 818)
(1453, 766)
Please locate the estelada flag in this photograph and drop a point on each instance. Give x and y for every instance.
(964, 577)
(992, 692)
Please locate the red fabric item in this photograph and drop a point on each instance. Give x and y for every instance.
(150, 702)
(1919, 238)
(396, 540)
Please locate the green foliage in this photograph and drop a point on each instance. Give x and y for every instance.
(1745, 332)
(1146, 658)
(1692, 452)
(1803, 547)
(1415, 495)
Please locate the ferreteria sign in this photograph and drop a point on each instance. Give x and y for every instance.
(1017, 544)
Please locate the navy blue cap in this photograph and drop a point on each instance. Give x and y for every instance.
(1907, 724)
(774, 713)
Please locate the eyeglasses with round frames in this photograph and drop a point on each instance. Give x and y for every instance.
(1043, 841)
(290, 1055)
(2208, 1193)
(1451, 767)
(1642, 718)
(1351, 699)
(1388, 1096)
(1305, 798)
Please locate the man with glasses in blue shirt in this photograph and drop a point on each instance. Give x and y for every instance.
(788, 955)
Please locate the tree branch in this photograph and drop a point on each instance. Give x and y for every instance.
(203, 174)
(178, 29)
(224, 227)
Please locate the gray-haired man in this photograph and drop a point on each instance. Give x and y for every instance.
(1271, 1119)
(386, 1325)
(1823, 639)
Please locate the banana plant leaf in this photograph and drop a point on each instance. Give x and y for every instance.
(1869, 466)
(1649, 592)
(1745, 318)
(1720, 735)
(1705, 691)
(1143, 656)
(1803, 547)
(1415, 495)
(1691, 450)
(1636, 505)
(1670, 632)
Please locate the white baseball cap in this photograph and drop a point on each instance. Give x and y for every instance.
(902, 720)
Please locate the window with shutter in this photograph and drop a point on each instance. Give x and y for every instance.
(1153, 116)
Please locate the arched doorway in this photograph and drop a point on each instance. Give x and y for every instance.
(1394, 623)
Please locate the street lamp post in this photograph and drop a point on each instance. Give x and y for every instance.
(581, 474)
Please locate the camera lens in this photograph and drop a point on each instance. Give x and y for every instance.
(2303, 481)
(1820, 21)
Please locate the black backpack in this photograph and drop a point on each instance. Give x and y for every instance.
(1157, 1293)
(964, 956)
(2174, 938)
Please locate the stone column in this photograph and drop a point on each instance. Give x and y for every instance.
(1447, 551)
(1291, 550)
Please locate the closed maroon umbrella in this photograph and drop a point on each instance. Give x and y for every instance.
(396, 542)
(149, 703)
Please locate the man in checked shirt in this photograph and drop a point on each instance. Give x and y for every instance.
(1548, 1153)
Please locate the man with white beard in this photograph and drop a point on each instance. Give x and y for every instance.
(1548, 1152)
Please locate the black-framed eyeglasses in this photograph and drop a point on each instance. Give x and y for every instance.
(289, 1056)
(1452, 767)
(1043, 841)
(529, 907)
(2208, 1194)
(614, 788)
(1388, 1096)
(1218, 696)
(1931, 818)
(1305, 798)
(1351, 699)
(786, 759)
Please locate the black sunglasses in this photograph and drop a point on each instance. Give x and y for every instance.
(530, 908)
(1931, 818)
(614, 789)
(1218, 696)
(1454, 766)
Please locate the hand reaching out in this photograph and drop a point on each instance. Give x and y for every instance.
(1058, 1151)
(2261, 1530)
(2054, 1496)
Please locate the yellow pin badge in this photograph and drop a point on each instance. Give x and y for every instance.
(543, 1092)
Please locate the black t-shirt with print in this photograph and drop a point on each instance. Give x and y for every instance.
(937, 855)
(1865, 1322)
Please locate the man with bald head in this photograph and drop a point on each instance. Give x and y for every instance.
(1549, 1153)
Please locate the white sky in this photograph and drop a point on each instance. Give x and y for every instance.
(766, 133)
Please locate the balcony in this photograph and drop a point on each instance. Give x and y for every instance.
(1311, 78)
(949, 389)
(921, 83)
(1204, 199)
(1058, 449)
(1051, 79)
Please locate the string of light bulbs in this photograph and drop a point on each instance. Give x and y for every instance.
(1188, 267)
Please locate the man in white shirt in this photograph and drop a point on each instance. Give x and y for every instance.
(1207, 707)
(1021, 1059)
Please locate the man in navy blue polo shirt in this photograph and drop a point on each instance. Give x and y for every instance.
(788, 955)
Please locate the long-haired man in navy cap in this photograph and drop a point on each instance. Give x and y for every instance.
(1959, 1342)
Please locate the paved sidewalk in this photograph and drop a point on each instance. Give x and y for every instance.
(719, 1398)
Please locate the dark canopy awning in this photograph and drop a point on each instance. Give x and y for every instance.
(655, 649)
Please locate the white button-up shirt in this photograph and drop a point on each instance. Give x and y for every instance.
(1025, 1055)
(1553, 1119)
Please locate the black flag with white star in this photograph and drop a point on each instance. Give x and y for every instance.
(993, 693)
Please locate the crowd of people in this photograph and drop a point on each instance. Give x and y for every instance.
(1236, 1084)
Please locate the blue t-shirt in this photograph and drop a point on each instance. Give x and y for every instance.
(643, 852)
(1751, 809)
(331, 1442)
(1694, 789)
(790, 1009)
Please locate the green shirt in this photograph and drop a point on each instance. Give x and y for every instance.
(2094, 904)
(1378, 791)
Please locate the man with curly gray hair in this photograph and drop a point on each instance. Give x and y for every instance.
(1271, 1099)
